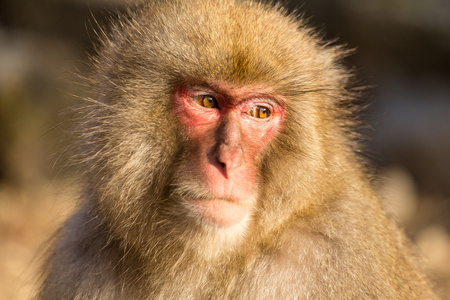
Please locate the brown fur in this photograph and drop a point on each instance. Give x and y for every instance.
(317, 231)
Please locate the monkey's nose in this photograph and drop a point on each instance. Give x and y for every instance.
(229, 158)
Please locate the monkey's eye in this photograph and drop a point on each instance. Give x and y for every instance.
(206, 101)
(260, 112)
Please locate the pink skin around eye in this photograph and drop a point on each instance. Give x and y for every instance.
(228, 143)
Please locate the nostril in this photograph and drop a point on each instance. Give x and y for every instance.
(220, 163)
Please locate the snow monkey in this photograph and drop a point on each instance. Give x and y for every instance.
(219, 163)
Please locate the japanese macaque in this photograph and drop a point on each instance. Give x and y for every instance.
(220, 163)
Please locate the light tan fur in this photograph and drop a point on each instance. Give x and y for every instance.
(317, 230)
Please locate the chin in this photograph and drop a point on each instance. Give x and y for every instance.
(214, 235)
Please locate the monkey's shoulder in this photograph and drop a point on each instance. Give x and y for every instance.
(319, 263)
(79, 260)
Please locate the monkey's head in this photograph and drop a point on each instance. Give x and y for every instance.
(210, 115)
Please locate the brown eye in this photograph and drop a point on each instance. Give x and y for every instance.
(206, 101)
(260, 112)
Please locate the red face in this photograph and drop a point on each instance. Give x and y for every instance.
(228, 127)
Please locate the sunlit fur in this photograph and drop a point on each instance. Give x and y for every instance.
(317, 230)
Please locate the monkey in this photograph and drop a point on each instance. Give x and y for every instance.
(220, 162)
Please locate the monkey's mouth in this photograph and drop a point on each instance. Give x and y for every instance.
(219, 211)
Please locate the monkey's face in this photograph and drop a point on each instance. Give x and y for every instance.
(204, 123)
(227, 129)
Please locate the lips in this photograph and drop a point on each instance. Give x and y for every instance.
(221, 212)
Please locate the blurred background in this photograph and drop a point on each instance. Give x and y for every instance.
(402, 54)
